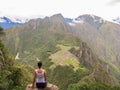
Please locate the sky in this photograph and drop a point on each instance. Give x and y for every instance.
(107, 9)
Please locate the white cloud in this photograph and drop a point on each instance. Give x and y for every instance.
(69, 8)
(114, 2)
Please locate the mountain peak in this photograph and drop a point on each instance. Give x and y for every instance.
(87, 18)
(91, 19)
(57, 16)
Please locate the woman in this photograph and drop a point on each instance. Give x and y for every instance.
(39, 77)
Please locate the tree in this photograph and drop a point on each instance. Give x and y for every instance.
(1, 31)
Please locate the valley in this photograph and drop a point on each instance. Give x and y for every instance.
(85, 54)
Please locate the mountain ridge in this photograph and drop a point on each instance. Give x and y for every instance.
(40, 38)
(9, 21)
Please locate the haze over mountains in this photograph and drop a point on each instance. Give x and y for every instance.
(8, 21)
(86, 48)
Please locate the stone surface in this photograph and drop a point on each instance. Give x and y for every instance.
(49, 87)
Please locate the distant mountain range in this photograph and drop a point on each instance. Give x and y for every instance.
(9, 21)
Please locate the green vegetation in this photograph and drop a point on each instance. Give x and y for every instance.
(63, 76)
(50, 41)
(64, 57)
(13, 76)
(92, 86)
(1, 32)
(104, 42)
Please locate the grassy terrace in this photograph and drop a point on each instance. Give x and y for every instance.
(64, 57)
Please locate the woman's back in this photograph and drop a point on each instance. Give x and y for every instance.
(40, 77)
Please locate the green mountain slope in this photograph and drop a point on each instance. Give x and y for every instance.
(65, 57)
(103, 40)
(13, 76)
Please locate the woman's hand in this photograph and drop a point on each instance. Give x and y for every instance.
(29, 85)
(32, 86)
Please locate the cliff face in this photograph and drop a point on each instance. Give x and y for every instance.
(100, 71)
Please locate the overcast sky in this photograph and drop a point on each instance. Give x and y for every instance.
(107, 9)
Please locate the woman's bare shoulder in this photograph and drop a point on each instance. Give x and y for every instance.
(44, 70)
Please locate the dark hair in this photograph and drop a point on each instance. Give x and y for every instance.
(39, 64)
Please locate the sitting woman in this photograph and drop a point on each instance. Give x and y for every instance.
(39, 77)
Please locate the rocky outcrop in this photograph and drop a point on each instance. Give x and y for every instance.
(49, 87)
(85, 55)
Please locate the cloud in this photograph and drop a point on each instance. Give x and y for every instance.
(114, 2)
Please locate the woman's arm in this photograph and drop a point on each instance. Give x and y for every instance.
(45, 74)
(34, 79)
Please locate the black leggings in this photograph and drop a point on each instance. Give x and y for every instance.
(41, 85)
